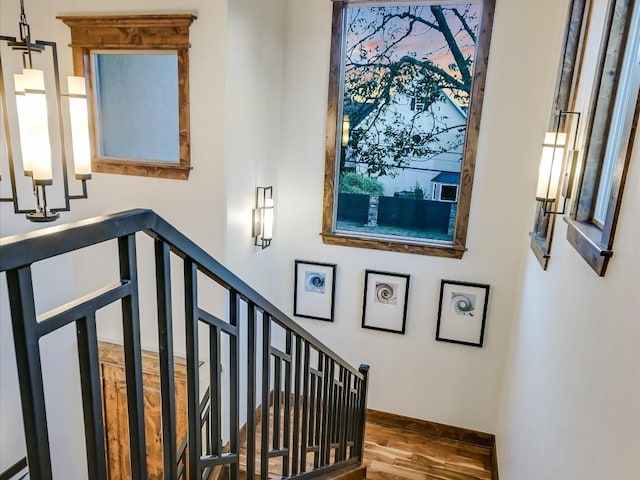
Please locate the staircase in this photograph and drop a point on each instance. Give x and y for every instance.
(312, 403)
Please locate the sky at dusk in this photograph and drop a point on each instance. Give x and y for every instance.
(423, 42)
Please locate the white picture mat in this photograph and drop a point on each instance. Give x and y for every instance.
(458, 327)
(314, 304)
(382, 315)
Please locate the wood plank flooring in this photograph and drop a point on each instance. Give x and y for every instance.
(396, 452)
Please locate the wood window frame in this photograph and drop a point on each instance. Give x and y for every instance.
(457, 247)
(566, 87)
(135, 32)
(592, 241)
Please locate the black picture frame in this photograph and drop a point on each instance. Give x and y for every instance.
(314, 290)
(385, 301)
(462, 312)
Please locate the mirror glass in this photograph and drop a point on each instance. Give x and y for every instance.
(136, 95)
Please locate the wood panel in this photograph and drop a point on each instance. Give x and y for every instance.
(115, 410)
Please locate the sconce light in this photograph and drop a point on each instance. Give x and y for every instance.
(550, 172)
(263, 217)
(33, 126)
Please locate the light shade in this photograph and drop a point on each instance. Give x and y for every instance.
(33, 122)
(550, 166)
(267, 220)
(79, 117)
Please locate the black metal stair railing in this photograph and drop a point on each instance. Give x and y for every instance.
(312, 403)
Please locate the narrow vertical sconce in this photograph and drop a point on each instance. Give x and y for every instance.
(550, 174)
(263, 217)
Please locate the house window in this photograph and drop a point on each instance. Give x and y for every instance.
(409, 77)
(611, 130)
(445, 193)
(418, 104)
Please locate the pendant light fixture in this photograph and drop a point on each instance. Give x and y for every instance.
(37, 152)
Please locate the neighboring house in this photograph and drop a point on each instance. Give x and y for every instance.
(421, 171)
(445, 187)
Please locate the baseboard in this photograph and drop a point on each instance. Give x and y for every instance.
(434, 429)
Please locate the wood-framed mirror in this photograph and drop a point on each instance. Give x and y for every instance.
(137, 71)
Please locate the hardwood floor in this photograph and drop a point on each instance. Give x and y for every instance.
(393, 453)
(399, 448)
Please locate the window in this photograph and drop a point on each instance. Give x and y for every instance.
(564, 101)
(405, 102)
(138, 68)
(448, 193)
(611, 130)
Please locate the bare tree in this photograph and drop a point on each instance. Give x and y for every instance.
(398, 52)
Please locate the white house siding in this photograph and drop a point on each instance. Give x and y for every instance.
(406, 179)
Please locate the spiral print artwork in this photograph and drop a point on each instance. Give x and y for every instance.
(464, 304)
(386, 293)
(314, 282)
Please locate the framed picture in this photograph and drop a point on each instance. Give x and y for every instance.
(462, 313)
(385, 301)
(314, 290)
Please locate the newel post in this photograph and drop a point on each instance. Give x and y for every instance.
(362, 417)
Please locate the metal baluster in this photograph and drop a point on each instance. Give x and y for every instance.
(91, 397)
(167, 377)
(277, 393)
(295, 456)
(342, 422)
(362, 420)
(133, 358)
(25, 338)
(193, 389)
(234, 392)
(305, 410)
(251, 391)
(321, 417)
(215, 381)
(266, 381)
(287, 407)
(325, 447)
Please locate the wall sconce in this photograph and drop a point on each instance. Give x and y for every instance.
(550, 171)
(263, 217)
(33, 126)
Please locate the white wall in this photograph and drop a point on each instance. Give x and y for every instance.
(253, 129)
(570, 407)
(413, 374)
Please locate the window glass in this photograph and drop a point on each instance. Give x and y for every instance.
(405, 94)
(620, 120)
(137, 105)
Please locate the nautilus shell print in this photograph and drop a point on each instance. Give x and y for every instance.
(464, 303)
(314, 282)
(386, 293)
